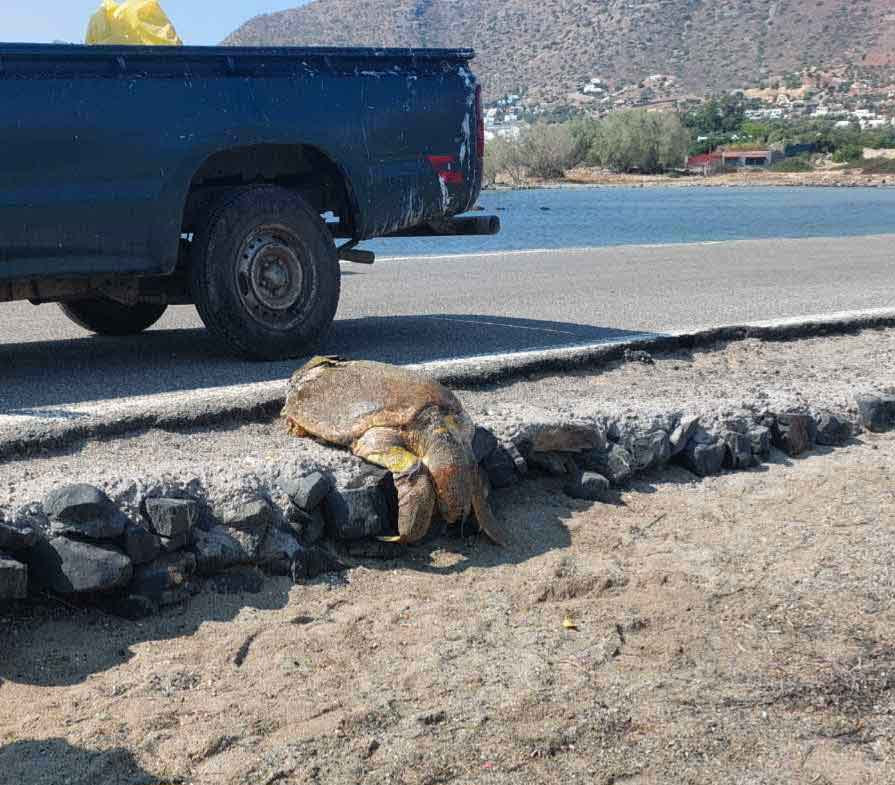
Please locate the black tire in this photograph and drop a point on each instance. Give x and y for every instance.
(264, 273)
(106, 317)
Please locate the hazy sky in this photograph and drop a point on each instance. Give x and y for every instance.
(198, 22)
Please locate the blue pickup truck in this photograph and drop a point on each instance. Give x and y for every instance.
(134, 178)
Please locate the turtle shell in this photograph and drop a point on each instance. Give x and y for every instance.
(340, 400)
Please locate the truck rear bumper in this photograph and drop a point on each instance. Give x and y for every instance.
(454, 227)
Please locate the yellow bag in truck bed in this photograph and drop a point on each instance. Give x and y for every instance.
(134, 23)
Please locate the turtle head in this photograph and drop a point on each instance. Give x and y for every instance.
(451, 464)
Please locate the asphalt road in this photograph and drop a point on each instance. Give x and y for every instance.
(445, 307)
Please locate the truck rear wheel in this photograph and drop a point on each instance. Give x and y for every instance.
(264, 273)
(107, 317)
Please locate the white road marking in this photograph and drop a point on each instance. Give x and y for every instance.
(175, 402)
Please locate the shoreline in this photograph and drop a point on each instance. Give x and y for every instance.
(583, 177)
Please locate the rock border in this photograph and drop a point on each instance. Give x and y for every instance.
(76, 544)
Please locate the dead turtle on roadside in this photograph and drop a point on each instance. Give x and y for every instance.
(406, 423)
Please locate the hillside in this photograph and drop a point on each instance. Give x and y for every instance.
(547, 48)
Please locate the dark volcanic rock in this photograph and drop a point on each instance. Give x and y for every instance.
(13, 579)
(354, 513)
(557, 437)
(278, 551)
(72, 567)
(169, 571)
(172, 518)
(877, 412)
(140, 544)
(739, 450)
(312, 562)
(500, 468)
(307, 526)
(309, 491)
(648, 450)
(832, 430)
(590, 486)
(704, 459)
(556, 464)
(616, 463)
(84, 511)
(794, 433)
(483, 443)
(218, 548)
(16, 537)
(682, 433)
(760, 436)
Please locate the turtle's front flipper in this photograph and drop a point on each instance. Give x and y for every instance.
(488, 523)
(416, 493)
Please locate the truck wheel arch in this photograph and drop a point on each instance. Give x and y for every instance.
(311, 171)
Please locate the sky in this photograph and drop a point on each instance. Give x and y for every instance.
(198, 22)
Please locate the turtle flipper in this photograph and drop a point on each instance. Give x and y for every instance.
(488, 523)
(416, 493)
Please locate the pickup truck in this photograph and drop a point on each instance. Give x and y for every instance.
(234, 179)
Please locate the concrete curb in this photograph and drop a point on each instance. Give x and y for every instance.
(262, 402)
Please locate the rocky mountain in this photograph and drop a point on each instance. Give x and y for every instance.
(548, 48)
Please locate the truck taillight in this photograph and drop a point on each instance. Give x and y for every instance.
(479, 124)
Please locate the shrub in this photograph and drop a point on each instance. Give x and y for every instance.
(848, 153)
(792, 165)
(642, 141)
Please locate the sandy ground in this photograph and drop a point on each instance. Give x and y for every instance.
(736, 630)
(236, 461)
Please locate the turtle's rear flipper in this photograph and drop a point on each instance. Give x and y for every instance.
(488, 523)
(416, 493)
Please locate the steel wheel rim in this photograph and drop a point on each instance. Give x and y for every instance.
(271, 277)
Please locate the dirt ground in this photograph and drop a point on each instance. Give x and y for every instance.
(735, 630)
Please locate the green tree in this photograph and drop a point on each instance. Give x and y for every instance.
(638, 140)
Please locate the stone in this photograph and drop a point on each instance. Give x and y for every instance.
(84, 511)
(483, 443)
(247, 525)
(704, 459)
(682, 433)
(168, 571)
(255, 515)
(639, 356)
(218, 548)
(616, 463)
(355, 513)
(239, 580)
(309, 491)
(739, 450)
(16, 536)
(278, 551)
(590, 486)
(13, 579)
(171, 518)
(518, 459)
(558, 437)
(313, 562)
(174, 544)
(648, 450)
(760, 436)
(794, 433)
(556, 464)
(500, 468)
(140, 544)
(307, 526)
(73, 567)
(832, 430)
(877, 412)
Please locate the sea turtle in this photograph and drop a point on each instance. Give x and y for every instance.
(400, 420)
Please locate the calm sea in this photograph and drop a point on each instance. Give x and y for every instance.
(585, 217)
